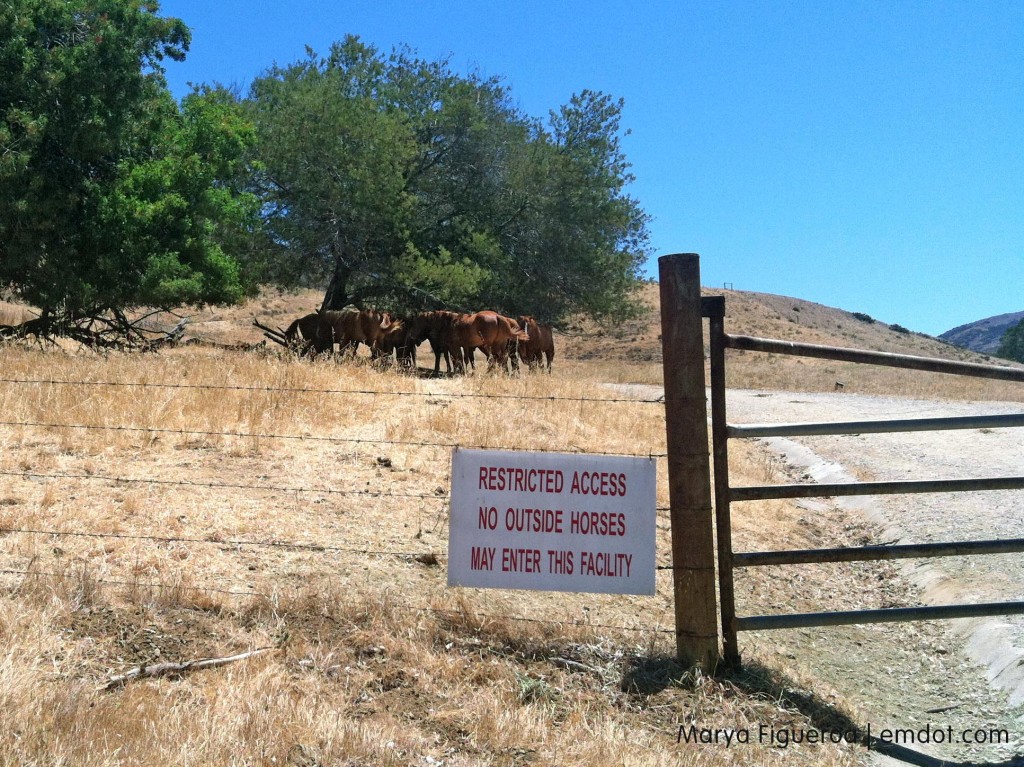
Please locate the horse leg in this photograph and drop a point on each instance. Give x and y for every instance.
(495, 357)
(513, 355)
(438, 351)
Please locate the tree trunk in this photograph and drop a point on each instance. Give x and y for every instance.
(336, 296)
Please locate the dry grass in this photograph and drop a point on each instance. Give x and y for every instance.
(154, 535)
(155, 525)
(13, 314)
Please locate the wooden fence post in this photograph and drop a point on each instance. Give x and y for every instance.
(689, 468)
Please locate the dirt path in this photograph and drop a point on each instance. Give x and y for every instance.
(900, 675)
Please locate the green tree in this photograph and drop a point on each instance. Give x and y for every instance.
(177, 210)
(114, 196)
(333, 161)
(583, 242)
(393, 179)
(1011, 346)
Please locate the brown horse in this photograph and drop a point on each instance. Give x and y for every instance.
(541, 344)
(485, 330)
(397, 338)
(434, 327)
(350, 327)
(317, 333)
(304, 336)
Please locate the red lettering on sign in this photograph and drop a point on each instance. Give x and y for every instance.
(519, 480)
(520, 560)
(560, 562)
(597, 523)
(481, 558)
(533, 520)
(605, 564)
(598, 483)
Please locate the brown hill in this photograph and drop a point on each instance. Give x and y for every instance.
(764, 315)
(984, 335)
(638, 343)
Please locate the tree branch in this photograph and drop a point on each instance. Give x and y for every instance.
(177, 669)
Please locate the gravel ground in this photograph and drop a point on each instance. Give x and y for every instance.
(900, 675)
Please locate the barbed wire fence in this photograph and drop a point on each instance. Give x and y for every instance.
(441, 499)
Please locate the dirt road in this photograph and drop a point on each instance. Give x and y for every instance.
(975, 666)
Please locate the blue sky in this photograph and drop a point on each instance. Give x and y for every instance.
(864, 155)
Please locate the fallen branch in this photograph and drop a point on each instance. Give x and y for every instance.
(99, 330)
(168, 669)
(276, 335)
(573, 665)
(173, 336)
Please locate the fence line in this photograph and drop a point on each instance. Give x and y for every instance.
(301, 437)
(239, 544)
(367, 392)
(402, 605)
(222, 485)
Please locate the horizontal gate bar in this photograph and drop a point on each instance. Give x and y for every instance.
(775, 492)
(930, 364)
(887, 615)
(875, 553)
(876, 427)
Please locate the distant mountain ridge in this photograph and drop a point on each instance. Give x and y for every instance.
(984, 335)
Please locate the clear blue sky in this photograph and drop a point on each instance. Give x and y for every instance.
(864, 155)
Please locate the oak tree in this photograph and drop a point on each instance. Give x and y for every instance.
(114, 196)
(395, 180)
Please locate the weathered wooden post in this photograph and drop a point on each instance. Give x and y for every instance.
(689, 468)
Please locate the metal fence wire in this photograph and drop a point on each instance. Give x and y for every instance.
(436, 501)
(726, 494)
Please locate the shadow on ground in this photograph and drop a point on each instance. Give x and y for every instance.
(650, 675)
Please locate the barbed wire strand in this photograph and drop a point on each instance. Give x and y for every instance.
(138, 584)
(236, 486)
(402, 605)
(306, 437)
(233, 543)
(363, 392)
(227, 542)
(222, 485)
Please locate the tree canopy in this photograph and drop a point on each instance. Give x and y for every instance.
(1011, 346)
(393, 179)
(385, 179)
(114, 196)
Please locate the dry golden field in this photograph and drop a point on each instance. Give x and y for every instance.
(202, 503)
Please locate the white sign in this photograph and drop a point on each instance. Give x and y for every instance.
(552, 522)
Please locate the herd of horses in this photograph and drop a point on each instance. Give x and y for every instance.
(453, 337)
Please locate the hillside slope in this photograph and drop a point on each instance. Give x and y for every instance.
(764, 315)
(637, 343)
(639, 340)
(984, 335)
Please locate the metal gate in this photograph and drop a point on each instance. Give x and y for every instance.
(693, 562)
(725, 494)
